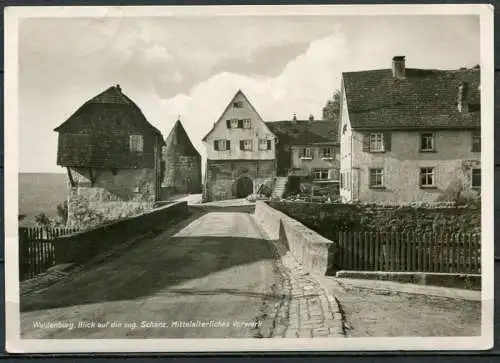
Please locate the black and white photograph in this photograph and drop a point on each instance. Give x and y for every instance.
(249, 178)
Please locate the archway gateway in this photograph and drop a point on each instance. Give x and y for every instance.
(244, 187)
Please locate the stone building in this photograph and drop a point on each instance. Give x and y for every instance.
(410, 134)
(307, 150)
(240, 152)
(182, 164)
(113, 159)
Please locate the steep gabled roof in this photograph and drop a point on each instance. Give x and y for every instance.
(302, 132)
(424, 99)
(178, 139)
(109, 110)
(240, 92)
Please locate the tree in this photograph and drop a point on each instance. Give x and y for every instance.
(43, 220)
(331, 111)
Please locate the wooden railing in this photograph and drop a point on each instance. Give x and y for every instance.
(410, 251)
(36, 249)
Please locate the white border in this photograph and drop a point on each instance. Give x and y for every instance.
(16, 345)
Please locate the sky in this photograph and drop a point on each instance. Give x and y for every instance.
(192, 67)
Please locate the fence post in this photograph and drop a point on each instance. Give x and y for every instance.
(342, 250)
(404, 248)
(469, 253)
(370, 260)
(366, 258)
(349, 250)
(397, 255)
(377, 251)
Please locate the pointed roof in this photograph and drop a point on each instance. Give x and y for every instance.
(179, 139)
(107, 110)
(238, 93)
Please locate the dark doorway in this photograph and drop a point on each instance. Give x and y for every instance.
(293, 186)
(244, 187)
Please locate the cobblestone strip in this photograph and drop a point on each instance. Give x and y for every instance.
(312, 312)
(306, 309)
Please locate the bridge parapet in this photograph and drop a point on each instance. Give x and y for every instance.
(83, 246)
(314, 252)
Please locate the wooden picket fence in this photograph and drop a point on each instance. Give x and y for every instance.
(410, 251)
(36, 250)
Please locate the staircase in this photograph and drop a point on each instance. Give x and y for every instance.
(279, 187)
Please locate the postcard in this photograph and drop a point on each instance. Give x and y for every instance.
(249, 178)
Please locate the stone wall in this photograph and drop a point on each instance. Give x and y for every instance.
(328, 218)
(222, 177)
(113, 195)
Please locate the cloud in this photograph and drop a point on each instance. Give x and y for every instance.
(300, 88)
(192, 66)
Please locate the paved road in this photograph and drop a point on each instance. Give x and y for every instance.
(214, 269)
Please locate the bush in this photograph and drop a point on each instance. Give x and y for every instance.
(82, 216)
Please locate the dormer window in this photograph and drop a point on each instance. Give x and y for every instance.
(136, 143)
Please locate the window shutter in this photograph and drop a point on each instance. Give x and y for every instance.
(216, 145)
(228, 144)
(269, 146)
(242, 145)
(387, 141)
(228, 124)
(240, 124)
(311, 152)
(366, 143)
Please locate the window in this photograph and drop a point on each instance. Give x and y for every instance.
(234, 123)
(222, 145)
(246, 145)
(320, 174)
(136, 143)
(427, 177)
(326, 152)
(342, 180)
(377, 178)
(247, 123)
(427, 141)
(305, 153)
(376, 142)
(476, 178)
(238, 104)
(476, 141)
(264, 144)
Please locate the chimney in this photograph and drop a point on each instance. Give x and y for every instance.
(463, 97)
(311, 117)
(398, 66)
(294, 118)
(118, 88)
